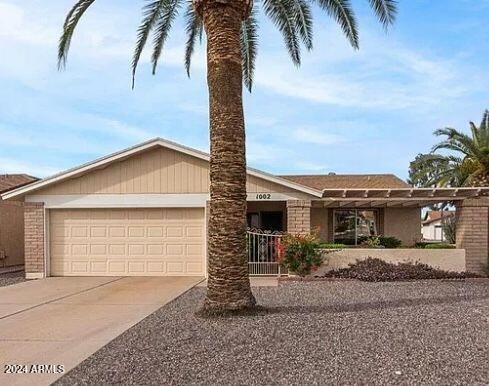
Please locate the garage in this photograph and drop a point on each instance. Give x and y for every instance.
(138, 212)
(127, 242)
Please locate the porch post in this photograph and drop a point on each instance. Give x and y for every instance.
(298, 216)
(472, 233)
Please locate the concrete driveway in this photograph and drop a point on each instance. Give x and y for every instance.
(62, 321)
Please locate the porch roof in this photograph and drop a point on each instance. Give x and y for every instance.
(397, 197)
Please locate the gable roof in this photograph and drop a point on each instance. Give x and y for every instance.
(437, 215)
(349, 181)
(12, 181)
(151, 144)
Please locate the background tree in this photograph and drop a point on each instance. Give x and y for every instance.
(231, 32)
(464, 161)
(449, 228)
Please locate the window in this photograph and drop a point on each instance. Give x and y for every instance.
(352, 226)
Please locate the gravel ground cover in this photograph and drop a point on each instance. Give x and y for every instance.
(11, 278)
(338, 332)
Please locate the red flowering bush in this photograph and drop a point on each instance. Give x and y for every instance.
(300, 254)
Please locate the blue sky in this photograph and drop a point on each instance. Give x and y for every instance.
(367, 111)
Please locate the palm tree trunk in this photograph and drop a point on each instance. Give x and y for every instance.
(228, 286)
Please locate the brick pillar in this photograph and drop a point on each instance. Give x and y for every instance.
(34, 240)
(473, 233)
(299, 216)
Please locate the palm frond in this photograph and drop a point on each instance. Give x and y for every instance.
(303, 22)
(249, 45)
(342, 12)
(282, 14)
(457, 141)
(386, 11)
(151, 14)
(194, 29)
(485, 120)
(162, 29)
(71, 21)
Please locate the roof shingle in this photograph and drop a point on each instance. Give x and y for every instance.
(12, 181)
(349, 181)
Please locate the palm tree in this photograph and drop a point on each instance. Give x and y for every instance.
(466, 164)
(231, 31)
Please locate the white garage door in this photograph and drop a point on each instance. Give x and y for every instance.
(127, 242)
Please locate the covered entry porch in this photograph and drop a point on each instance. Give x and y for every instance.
(348, 216)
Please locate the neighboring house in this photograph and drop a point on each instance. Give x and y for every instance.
(432, 224)
(142, 211)
(12, 221)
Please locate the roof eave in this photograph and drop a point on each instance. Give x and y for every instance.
(73, 172)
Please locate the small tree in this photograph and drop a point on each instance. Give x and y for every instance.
(449, 228)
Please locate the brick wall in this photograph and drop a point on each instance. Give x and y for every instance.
(34, 239)
(473, 233)
(299, 216)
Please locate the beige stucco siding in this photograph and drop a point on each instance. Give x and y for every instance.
(154, 171)
(319, 222)
(11, 233)
(403, 223)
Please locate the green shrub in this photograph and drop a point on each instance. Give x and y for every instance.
(332, 246)
(381, 242)
(300, 254)
(390, 242)
(439, 246)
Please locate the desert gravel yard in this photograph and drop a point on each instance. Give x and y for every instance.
(337, 332)
(11, 278)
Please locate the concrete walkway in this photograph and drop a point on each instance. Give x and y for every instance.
(62, 321)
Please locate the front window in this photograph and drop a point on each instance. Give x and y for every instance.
(353, 226)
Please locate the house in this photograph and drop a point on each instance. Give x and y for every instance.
(12, 221)
(142, 211)
(432, 224)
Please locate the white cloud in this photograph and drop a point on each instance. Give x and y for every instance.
(14, 26)
(120, 129)
(310, 167)
(11, 166)
(384, 74)
(309, 135)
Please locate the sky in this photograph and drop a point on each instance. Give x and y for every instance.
(342, 111)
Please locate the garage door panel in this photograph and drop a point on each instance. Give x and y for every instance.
(155, 231)
(116, 242)
(194, 267)
(117, 249)
(175, 267)
(98, 231)
(98, 266)
(98, 249)
(136, 249)
(155, 249)
(156, 267)
(77, 230)
(117, 231)
(194, 250)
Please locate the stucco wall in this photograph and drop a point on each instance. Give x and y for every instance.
(319, 222)
(403, 223)
(11, 233)
(446, 259)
